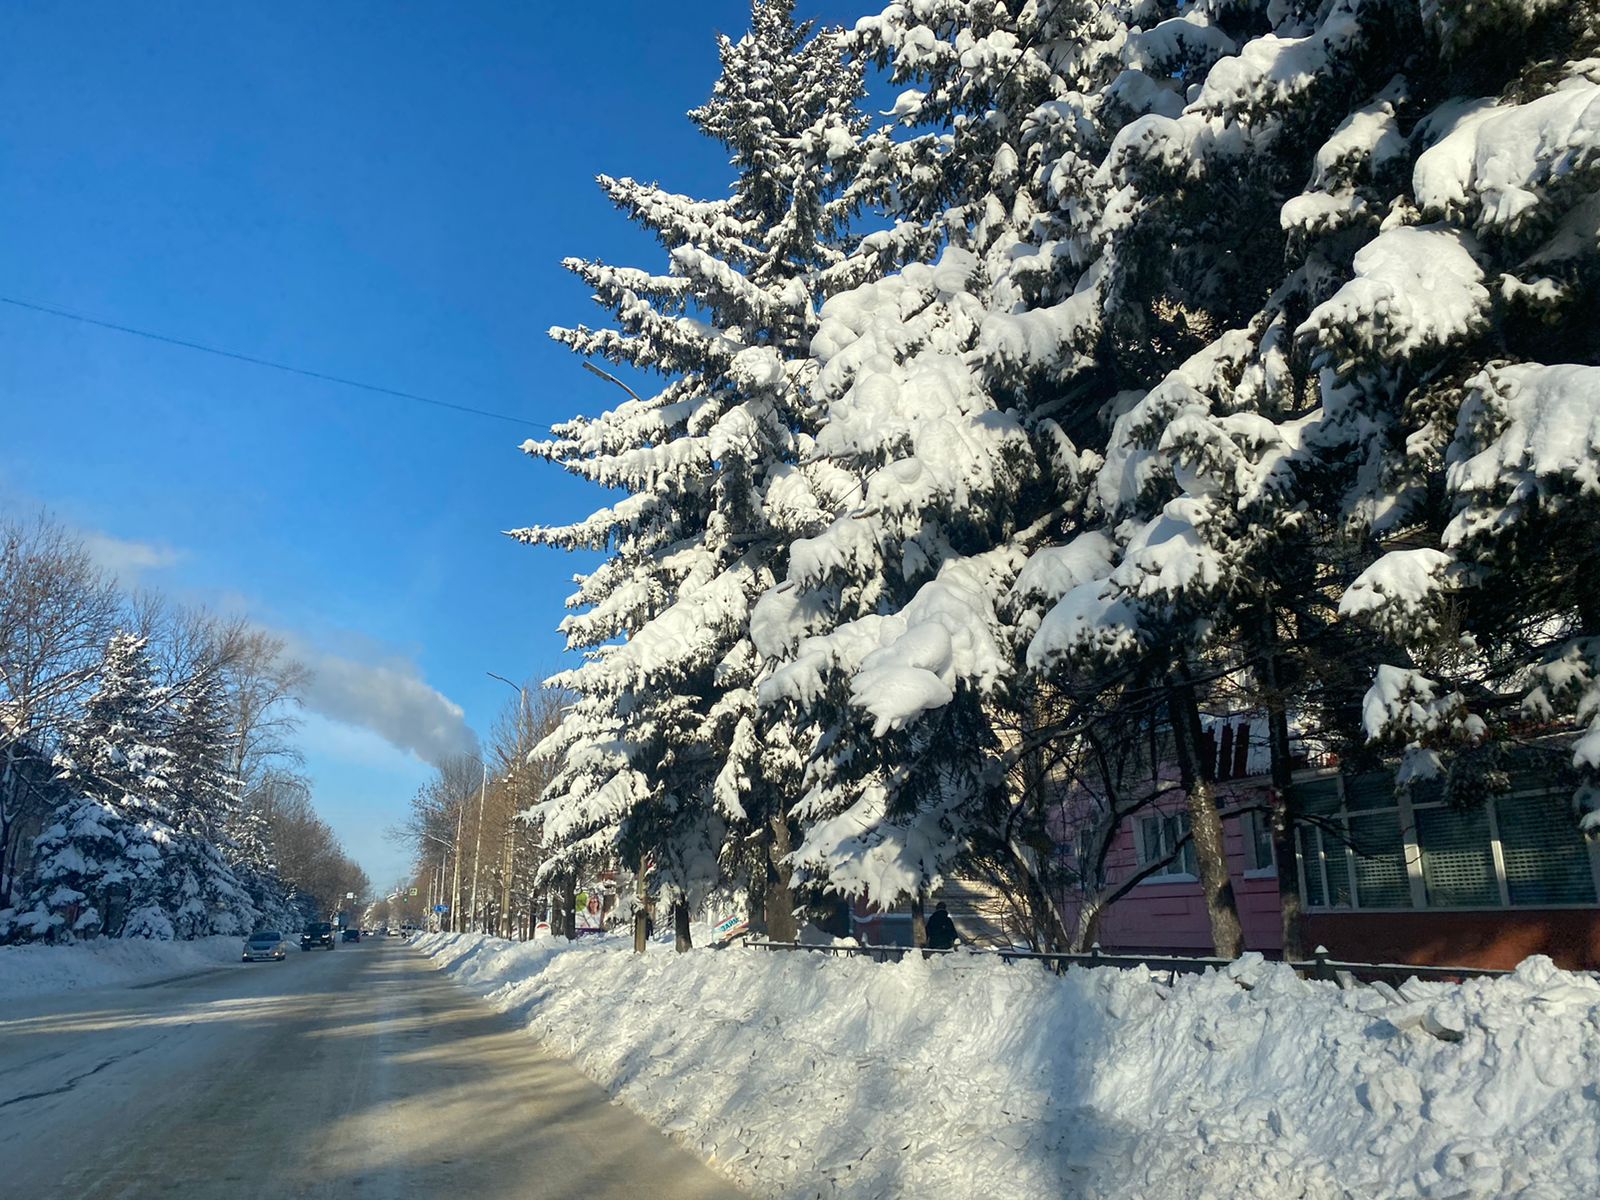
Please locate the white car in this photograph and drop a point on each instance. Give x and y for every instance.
(264, 945)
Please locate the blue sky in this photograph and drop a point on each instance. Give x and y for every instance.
(382, 191)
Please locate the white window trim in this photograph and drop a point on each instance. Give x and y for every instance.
(1141, 852)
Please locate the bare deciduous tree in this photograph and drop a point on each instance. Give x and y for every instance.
(57, 610)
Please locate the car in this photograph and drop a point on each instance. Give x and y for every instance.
(408, 930)
(264, 945)
(350, 935)
(392, 931)
(318, 934)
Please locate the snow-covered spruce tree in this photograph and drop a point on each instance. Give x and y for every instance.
(87, 861)
(247, 848)
(660, 755)
(115, 828)
(1298, 404)
(1460, 362)
(204, 895)
(1215, 543)
(949, 390)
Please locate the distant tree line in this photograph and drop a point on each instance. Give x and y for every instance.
(476, 846)
(148, 774)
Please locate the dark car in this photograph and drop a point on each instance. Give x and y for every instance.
(318, 935)
(350, 935)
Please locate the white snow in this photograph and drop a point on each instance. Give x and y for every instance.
(1497, 161)
(1415, 289)
(803, 1075)
(1396, 588)
(35, 970)
(1527, 433)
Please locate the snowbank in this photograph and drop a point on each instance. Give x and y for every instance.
(803, 1075)
(107, 962)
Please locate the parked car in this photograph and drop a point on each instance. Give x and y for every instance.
(264, 945)
(408, 930)
(319, 934)
(350, 935)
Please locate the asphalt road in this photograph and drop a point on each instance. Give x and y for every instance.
(356, 1073)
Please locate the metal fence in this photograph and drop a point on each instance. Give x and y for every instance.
(1318, 966)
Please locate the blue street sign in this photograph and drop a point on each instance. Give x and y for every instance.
(441, 908)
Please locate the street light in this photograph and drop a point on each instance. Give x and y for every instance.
(436, 889)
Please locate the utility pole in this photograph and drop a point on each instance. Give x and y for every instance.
(483, 792)
(455, 890)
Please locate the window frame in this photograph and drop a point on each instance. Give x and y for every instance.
(1405, 810)
(1253, 840)
(1173, 872)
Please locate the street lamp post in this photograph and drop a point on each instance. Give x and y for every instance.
(436, 889)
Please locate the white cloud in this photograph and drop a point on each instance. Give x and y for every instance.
(366, 688)
(126, 559)
(390, 698)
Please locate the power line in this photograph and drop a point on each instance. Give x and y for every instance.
(267, 362)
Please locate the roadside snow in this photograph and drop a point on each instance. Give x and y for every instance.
(107, 962)
(802, 1075)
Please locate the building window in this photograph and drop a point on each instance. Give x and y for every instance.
(1457, 858)
(1259, 853)
(1366, 848)
(1158, 835)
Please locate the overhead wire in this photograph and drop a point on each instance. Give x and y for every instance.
(255, 360)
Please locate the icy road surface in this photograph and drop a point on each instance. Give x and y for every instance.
(356, 1073)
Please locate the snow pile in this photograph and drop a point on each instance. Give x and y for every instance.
(804, 1075)
(107, 962)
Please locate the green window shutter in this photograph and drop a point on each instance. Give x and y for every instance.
(1380, 862)
(1545, 856)
(1457, 865)
(1318, 797)
(1372, 790)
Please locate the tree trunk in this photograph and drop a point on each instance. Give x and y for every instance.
(505, 890)
(1048, 927)
(1205, 825)
(641, 918)
(781, 926)
(919, 922)
(567, 898)
(1088, 927)
(680, 927)
(1283, 822)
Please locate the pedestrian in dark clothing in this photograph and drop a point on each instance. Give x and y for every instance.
(941, 929)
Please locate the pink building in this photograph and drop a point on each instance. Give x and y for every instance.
(1382, 877)
(1165, 913)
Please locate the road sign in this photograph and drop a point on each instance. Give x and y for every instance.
(441, 908)
(413, 891)
(349, 895)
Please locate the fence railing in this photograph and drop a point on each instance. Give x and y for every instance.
(1318, 966)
